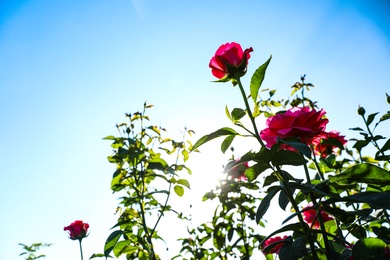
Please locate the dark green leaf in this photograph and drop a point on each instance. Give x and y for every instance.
(371, 118)
(227, 142)
(264, 205)
(254, 171)
(369, 248)
(293, 250)
(285, 157)
(257, 79)
(377, 200)
(218, 133)
(283, 200)
(111, 241)
(237, 114)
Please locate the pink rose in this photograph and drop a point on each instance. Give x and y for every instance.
(77, 230)
(238, 171)
(302, 122)
(273, 240)
(310, 216)
(324, 149)
(229, 60)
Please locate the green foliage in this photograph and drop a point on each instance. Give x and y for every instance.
(31, 251)
(148, 168)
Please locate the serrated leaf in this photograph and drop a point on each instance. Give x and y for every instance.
(257, 79)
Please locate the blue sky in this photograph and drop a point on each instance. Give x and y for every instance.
(69, 70)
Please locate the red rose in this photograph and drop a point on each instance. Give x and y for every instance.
(310, 216)
(229, 61)
(302, 122)
(77, 230)
(273, 240)
(323, 148)
(238, 171)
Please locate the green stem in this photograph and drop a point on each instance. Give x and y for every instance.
(81, 249)
(290, 196)
(256, 132)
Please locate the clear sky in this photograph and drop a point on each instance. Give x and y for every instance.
(69, 70)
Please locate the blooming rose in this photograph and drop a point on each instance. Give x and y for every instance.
(302, 122)
(238, 171)
(324, 149)
(229, 60)
(310, 216)
(277, 247)
(77, 230)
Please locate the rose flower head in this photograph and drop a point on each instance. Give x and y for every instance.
(271, 241)
(310, 216)
(326, 143)
(304, 123)
(238, 171)
(229, 62)
(77, 230)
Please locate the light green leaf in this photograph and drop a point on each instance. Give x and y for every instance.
(257, 79)
(179, 190)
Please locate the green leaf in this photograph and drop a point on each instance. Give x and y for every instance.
(257, 79)
(254, 171)
(123, 247)
(264, 205)
(371, 118)
(227, 142)
(184, 182)
(283, 200)
(237, 114)
(221, 132)
(157, 164)
(293, 250)
(362, 173)
(285, 157)
(111, 241)
(179, 190)
(369, 248)
(379, 200)
(99, 255)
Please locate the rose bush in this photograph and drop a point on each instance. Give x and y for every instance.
(310, 216)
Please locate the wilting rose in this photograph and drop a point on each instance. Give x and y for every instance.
(276, 248)
(310, 216)
(77, 230)
(238, 171)
(229, 61)
(302, 122)
(323, 148)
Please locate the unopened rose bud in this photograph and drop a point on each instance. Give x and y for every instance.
(361, 111)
